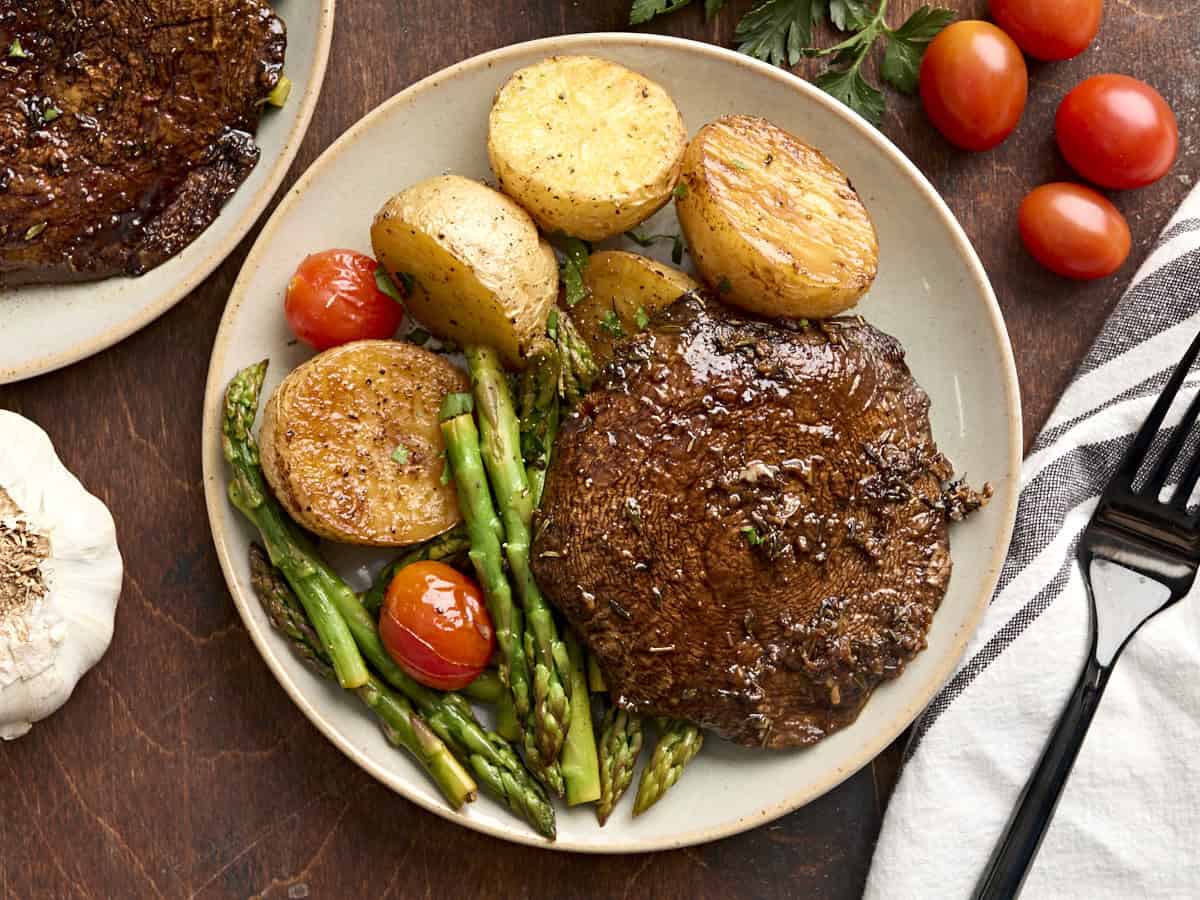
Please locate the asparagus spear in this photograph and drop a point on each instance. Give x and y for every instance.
(474, 498)
(620, 745)
(402, 726)
(487, 688)
(580, 767)
(287, 547)
(595, 676)
(492, 761)
(443, 547)
(578, 369)
(501, 450)
(540, 413)
(678, 742)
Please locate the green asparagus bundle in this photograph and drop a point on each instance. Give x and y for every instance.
(620, 745)
(443, 548)
(580, 766)
(485, 530)
(401, 725)
(500, 445)
(489, 757)
(678, 743)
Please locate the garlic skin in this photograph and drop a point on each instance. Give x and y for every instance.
(47, 646)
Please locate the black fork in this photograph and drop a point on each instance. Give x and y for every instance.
(1139, 555)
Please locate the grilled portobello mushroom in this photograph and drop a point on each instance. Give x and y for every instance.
(124, 128)
(747, 521)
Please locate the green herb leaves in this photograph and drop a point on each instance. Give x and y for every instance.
(575, 259)
(384, 282)
(16, 51)
(611, 323)
(649, 240)
(645, 10)
(780, 32)
(400, 455)
(906, 46)
(777, 30)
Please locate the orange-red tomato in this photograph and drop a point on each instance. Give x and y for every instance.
(974, 84)
(1049, 29)
(1117, 132)
(333, 299)
(435, 626)
(1074, 231)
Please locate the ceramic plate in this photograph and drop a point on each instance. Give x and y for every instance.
(46, 327)
(931, 292)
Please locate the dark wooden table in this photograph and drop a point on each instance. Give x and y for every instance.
(180, 767)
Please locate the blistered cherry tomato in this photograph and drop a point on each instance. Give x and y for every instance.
(1049, 29)
(1074, 231)
(435, 626)
(973, 84)
(1117, 132)
(333, 299)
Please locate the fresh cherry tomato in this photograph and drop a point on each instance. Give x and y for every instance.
(333, 299)
(1074, 231)
(973, 84)
(435, 626)
(1049, 29)
(1117, 132)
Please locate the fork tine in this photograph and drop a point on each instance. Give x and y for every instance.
(1162, 471)
(1136, 454)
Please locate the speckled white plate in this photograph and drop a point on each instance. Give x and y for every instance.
(45, 327)
(931, 292)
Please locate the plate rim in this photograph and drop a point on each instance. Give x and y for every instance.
(97, 343)
(215, 497)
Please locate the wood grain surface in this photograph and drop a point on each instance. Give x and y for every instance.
(181, 769)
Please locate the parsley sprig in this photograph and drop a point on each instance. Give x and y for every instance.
(780, 32)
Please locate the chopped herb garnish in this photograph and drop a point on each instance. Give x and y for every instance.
(739, 165)
(458, 404)
(552, 325)
(16, 51)
(49, 114)
(280, 93)
(723, 286)
(400, 455)
(750, 533)
(384, 282)
(575, 261)
(611, 323)
(649, 240)
(642, 318)
(681, 190)
(677, 250)
(35, 230)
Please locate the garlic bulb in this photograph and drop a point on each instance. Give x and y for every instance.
(60, 577)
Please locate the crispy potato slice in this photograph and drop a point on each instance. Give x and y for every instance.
(772, 224)
(480, 272)
(588, 146)
(619, 285)
(352, 448)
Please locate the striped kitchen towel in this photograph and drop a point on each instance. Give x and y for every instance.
(1128, 824)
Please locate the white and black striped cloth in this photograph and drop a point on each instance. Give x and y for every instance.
(1128, 825)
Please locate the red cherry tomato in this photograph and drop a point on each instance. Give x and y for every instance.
(1049, 29)
(1117, 132)
(1074, 231)
(973, 84)
(333, 299)
(435, 626)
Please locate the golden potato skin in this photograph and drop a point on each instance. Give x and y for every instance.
(481, 272)
(772, 224)
(329, 433)
(621, 283)
(589, 147)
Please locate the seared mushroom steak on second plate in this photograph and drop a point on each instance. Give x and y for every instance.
(747, 521)
(124, 128)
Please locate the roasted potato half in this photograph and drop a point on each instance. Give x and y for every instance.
(351, 445)
(621, 284)
(772, 224)
(588, 146)
(477, 270)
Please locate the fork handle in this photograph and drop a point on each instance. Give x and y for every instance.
(1010, 861)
